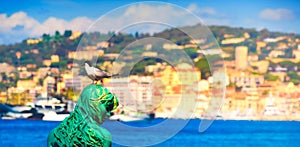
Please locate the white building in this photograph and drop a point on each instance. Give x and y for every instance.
(132, 94)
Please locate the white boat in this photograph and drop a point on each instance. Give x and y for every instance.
(270, 108)
(18, 115)
(53, 116)
(52, 108)
(17, 112)
(48, 104)
(22, 108)
(126, 118)
(6, 117)
(132, 116)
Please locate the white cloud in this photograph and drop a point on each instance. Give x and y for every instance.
(208, 15)
(52, 24)
(200, 11)
(276, 14)
(161, 16)
(166, 14)
(49, 26)
(20, 26)
(17, 19)
(80, 23)
(142, 17)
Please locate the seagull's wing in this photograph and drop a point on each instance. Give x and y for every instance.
(95, 73)
(101, 74)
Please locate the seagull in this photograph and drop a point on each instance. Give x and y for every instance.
(94, 73)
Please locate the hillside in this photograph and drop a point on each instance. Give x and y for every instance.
(60, 44)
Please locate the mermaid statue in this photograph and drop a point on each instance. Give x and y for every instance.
(82, 127)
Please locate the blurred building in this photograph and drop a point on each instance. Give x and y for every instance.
(241, 57)
(48, 86)
(85, 54)
(54, 58)
(6, 68)
(133, 94)
(232, 41)
(245, 79)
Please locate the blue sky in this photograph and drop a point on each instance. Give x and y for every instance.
(22, 19)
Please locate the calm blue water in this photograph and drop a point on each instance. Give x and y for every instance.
(221, 133)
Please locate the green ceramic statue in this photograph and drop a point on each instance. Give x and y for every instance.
(82, 127)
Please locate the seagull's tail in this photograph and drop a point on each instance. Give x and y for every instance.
(110, 75)
(115, 75)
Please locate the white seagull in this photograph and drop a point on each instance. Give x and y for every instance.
(94, 73)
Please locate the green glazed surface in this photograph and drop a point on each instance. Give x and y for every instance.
(82, 127)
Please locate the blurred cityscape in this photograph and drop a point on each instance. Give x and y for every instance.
(261, 73)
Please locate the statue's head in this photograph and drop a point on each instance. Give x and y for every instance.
(96, 102)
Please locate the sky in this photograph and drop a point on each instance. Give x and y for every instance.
(29, 19)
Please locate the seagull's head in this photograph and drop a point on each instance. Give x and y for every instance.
(87, 62)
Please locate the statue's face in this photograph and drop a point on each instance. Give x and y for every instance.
(97, 102)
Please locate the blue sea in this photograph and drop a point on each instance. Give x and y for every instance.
(221, 133)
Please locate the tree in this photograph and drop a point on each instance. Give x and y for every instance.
(287, 64)
(203, 65)
(68, 33)
(57, 35)
(46, 37)
(264, 33)
(270, 77)
(192, 52)
(136, 35)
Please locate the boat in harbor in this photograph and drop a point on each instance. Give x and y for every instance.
(43, 105)
(132, 116)
(18, 115)
(15, 112)
(53, 109)
(270, 108)
(54, 116)
(48, 109)
(126, 118)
